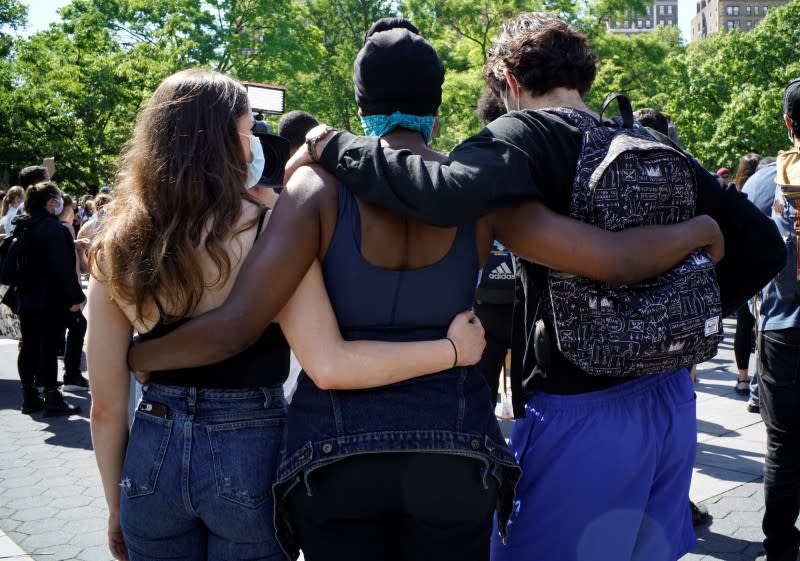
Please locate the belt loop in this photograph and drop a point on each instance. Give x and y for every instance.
(191, 399)
(267, 397)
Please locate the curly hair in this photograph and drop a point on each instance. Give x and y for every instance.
(180, 186)
(542, 52)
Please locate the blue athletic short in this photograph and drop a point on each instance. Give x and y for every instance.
(605, 475)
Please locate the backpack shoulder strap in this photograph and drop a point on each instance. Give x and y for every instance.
(625, 108)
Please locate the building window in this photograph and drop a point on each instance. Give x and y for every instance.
(765, 10)
(627, 24)
(733, 24)
(639, 24)
(669, 10)
(648, 23)
(648, 11)
(661, 10)
(732, 10)
(747, 10)
(749, 24)
(756, 10)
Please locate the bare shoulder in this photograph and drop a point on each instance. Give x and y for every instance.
(312, 182)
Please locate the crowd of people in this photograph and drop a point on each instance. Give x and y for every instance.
(365, 266)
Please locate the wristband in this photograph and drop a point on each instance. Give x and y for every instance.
(455, 351)
(311, 142)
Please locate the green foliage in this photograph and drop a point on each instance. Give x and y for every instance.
(74, 90)
(727, 89)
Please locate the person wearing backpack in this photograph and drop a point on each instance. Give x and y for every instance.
(607, 460)
(47, 289)
(774, 190)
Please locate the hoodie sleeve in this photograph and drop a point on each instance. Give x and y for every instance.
(754, 249)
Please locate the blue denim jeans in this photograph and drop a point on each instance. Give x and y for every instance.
(197, 479)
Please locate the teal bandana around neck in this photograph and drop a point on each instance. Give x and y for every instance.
(380, 125)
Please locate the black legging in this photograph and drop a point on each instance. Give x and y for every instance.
(76, 324)
(743, 340)
(38, 360)
(400, 506)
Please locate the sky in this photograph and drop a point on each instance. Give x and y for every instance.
(42, 12)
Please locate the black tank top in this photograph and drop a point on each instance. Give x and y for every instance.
(265, 363)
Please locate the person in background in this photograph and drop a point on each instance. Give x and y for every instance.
(32, 175)
(747, 167)
(12, 204)
(92, 226)
(724, 175)
(778, 315)
(49, 291)
(74, 321)
(293, 127)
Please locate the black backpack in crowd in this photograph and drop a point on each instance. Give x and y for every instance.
(624, 178)
(14, 258)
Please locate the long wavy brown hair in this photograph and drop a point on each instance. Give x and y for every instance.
(181, 184)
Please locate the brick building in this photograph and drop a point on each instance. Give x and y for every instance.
(661, 12)
(724, 15)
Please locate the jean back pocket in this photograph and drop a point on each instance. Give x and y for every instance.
(147, 447)
(245, 457)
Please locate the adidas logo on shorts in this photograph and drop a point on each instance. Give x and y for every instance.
(502, 272)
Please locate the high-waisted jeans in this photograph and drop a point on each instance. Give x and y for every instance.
(197, 479)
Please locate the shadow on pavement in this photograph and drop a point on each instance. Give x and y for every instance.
(68, 432)
(725, 548)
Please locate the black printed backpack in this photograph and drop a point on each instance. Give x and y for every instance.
(625, 177)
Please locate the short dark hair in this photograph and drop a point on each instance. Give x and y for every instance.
(32, 175)
(542, 52)
(489, 107)
(293, 127)
(653, 119)
(36, 196)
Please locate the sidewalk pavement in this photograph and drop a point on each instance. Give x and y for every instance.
(52, 506)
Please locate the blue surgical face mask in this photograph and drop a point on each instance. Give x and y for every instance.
(380, 125)
(256, 167)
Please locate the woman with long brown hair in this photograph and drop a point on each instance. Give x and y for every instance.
(193, 479)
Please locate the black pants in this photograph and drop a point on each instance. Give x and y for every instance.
(743, 340)
(38, 359)
(780, 409)
(393, 507)
(496, 320)
(75, 323)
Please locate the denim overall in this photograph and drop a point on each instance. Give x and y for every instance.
(448, 412)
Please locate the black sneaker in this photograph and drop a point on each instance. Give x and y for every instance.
(75, 384)
(699, 514)
(742, 387)
(753, 407)
(55, 406)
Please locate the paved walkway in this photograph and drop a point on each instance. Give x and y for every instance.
(52, 507)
